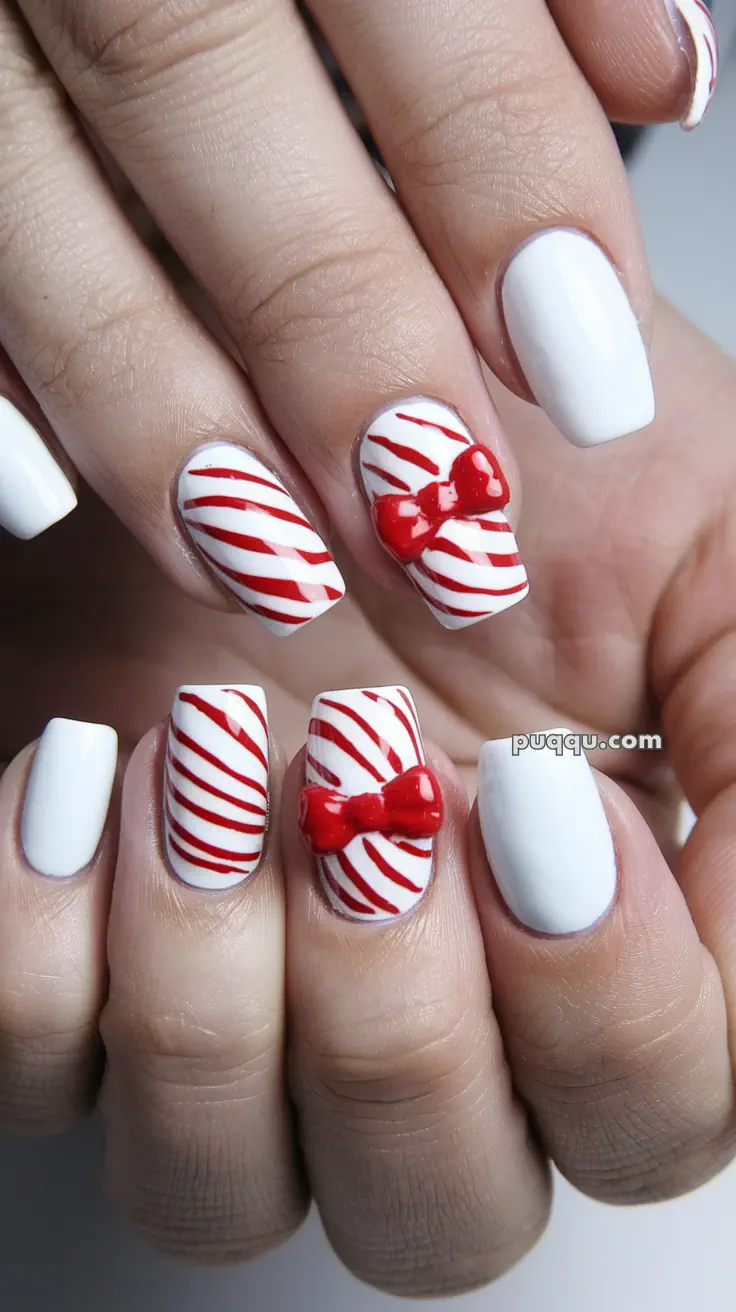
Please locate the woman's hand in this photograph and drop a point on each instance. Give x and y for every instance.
(515, 234)
(436, 1060)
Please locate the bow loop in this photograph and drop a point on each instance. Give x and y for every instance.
(407, 525)
(409, 805)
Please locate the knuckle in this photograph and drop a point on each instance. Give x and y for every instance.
(501, 136)
(307, 297)
(128, 41)
(388, 1058)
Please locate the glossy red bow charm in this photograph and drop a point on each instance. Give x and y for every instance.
(409, 805)
(407, 525)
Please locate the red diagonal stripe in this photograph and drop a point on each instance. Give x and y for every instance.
(252, 703)
(239, 474)
(403, 846)
(244, 503)
(199, 861)
(212, 818)
(199, 750)
(407, 453)
(430, 423)
(385, 748)
(246, 542)
(332, 779)
(374, 697)
(342, 894)
(224, 721)
(323, 729)
(394, 875)
(364, 887)
(193, 841)
(448, 548)
(453, 585)
(193, 778)
(391, 479)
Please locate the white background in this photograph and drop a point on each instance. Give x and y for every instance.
(61, 1247)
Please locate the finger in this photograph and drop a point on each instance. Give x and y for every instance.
(57, 861)
(35, 491)
(200, 1151)
(333, 305)
(420, 1160)
(612, 1010)
(508, 169)
(125, 374)
(648, 60)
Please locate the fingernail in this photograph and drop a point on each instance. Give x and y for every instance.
(437, 499)
(371, 807)
(216, 785)
(577, 339)
(546, 834)
(68, 796)
(697, 36)
(34, 490)
(255, 538)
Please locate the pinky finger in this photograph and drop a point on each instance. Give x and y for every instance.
(57, 850)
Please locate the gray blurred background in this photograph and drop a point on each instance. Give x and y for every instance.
(62, 1249)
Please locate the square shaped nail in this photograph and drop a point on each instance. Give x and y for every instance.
(68, 796)
(216, 784)
(255, 538)
(437, 502)
(371, 807)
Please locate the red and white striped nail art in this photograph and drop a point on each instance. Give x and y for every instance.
(437, 500)
(703, 52)
(256, 539)
(216, 784)
(370, 807)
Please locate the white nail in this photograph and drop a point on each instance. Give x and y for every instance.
(577, 339)
(216, 785)
(546, 836)
(34, 490)
(68, 796)
(698, 38)
(469, 568)
(256, 539)
(360, 740)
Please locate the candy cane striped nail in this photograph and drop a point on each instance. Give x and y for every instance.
(255, 538)
(216, 784)
(370, 807)
(437, 501)
(701, 42)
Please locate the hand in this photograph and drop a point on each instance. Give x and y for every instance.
(340, 302)
(425, 1152)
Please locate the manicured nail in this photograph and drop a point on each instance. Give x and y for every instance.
(68, 796)
(437, 501)
(546, 834)
(577, 339)
(34, 490)
(255, 538)
(371, 807)
(216, 785)
(697, 35)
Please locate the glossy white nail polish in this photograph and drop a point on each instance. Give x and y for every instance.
(697, 36)
(437, 503)
(68, 796)
(546, 835)
(365, 761)
(256, 539)
(34, 490)
(577, 338)
(216, 784)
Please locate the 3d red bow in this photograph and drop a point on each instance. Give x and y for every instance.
(410, 805)
(407, 525)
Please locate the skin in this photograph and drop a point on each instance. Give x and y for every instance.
(409, 1045)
